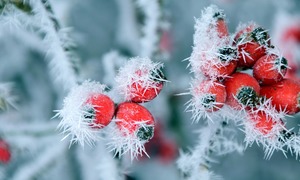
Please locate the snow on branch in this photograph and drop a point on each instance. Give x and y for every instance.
(62, 63)
(7, 100)
(150, 36)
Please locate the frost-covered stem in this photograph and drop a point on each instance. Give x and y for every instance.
(42, 162)
(150, 29)
(33, 129)
(6, 97)
(61, 64)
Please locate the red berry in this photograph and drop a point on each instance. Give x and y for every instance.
(5, 154)
(145, 85)
(221, 25)
(99, 110)
(292, 33)
(263, 122)
(285, 95)
(212, 95)
(136, 120)
(270, 69)
(223, 66)
(241, 89)
(252, 42)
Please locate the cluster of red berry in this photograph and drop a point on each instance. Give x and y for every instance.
(139, 81)
(243, 73)
(5, 154)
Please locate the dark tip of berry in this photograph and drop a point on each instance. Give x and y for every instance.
(260, 35)
(157, 75)
(247, 96)
(219, 15)
(208, 101)
(145, 133)
(89, 113)
(285, 135)
(282, 62)
(227, 53)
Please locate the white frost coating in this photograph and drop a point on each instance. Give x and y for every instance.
(50, 155)
(122, 141)
(140, 72)
(212, 141)
(6, 98)
(60, 64)
(207, 44)
(73, 123)
(150, 36)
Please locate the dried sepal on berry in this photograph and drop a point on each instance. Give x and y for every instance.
(242, 90)
(207, 96)
(81, 117)
(269, 69)
(134, 126)
(140, 80)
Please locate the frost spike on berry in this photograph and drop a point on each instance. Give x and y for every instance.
(5, 154)
(207, 96)
(76, 116)
(134, 127)
(140, 80)
(284, 95)
(242, 90)
(270, 69)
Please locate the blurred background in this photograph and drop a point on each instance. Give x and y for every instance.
(105, 33)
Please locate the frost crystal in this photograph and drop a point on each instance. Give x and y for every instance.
(75, 121)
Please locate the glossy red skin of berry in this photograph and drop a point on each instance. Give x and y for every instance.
(144, 94)
(266, 72)
(254, 51)
(234, 84)
(5, 154)
(220, 70)
(262, 122)
(129, 113)
(217, 90)
(284, 94)
(222, 28)
(104, 109)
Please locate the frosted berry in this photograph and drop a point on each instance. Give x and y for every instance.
(99, 110)
(224, 65)
(270, 69)
(134, 119)
(263, 122)
(5, 154)
(285, 95)
(221, 25)
(251, 42)
(211, 96)
(241, 89)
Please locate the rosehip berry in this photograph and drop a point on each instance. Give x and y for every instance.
(5, 154)
(136, 120)
(284, 95)
(224, 66)
(292, 33)
(270, 69)
(99, 110)
(252, 42)
(241, 89)
(221, 25)
(209, 95)
(263, 122)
